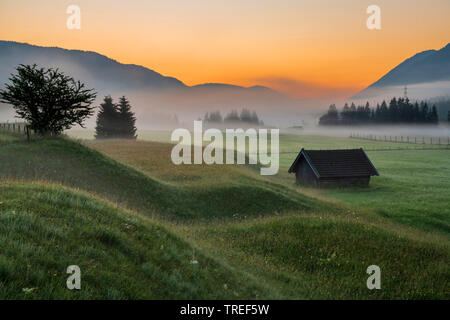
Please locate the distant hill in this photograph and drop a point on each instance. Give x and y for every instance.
(98, 70)
(95, 69)
(154, 96)
(232, 87)
(423, 68)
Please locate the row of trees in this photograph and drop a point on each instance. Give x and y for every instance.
(244, 116)
(115, 120)
(400, 110)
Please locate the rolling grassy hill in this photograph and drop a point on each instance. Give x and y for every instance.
(70, 163)
(252, 237)
(412, 188)
(45, 228)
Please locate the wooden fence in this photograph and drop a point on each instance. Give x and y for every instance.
(403, 139)
(16, 127)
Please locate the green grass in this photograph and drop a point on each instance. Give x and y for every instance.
(412, 187)
(152, 159)
(257, 237)
(326, 258)
(46, 228)
(70, 163)
(6, 138)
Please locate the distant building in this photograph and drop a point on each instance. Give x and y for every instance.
(321, 168)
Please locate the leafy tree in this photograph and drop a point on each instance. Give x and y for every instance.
(127, 120)
(47, 99)
(107, 120)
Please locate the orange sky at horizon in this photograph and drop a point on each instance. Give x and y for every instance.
(304, 48)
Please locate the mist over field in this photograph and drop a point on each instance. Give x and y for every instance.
(179, 108)
(380, 130)
(225, 156)
(419, 91)
(163, 103)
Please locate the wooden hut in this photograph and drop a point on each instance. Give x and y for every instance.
(321, 168)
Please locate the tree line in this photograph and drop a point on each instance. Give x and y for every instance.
(245, 116)
(399, 110)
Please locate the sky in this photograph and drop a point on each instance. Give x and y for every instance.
(305, 48)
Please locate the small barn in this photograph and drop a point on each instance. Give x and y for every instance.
(321, 168)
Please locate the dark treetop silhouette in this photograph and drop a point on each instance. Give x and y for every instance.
(400, 110)
(115, 121)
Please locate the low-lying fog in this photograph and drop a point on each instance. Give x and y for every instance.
(175, 108)
(442, 130)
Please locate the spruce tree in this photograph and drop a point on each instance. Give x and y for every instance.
(107, 120)
(127, 123)
(434, 118)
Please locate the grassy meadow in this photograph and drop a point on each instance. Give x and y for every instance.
(141, 227)
(413, 186)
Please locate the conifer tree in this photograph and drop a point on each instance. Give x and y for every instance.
(127, 120)
(107, 120)
(434, 118)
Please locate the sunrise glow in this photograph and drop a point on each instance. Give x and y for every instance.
(316, 48)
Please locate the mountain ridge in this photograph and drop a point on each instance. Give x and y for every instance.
(424, 67)
(91, 58)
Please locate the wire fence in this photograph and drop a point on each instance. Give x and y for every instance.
(17, 128)
(403, 139)
(382, 149)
